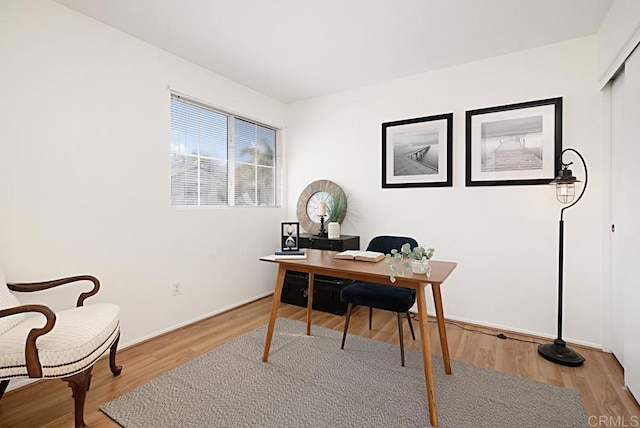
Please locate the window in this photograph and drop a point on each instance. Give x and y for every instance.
(218, 159)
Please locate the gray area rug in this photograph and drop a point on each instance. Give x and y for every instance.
(310, 382)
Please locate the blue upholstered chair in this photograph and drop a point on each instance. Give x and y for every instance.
(388, 298)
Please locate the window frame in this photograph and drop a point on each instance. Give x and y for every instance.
(230, 158)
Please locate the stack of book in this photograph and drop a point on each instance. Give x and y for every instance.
(290, 254)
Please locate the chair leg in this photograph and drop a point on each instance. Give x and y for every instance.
(115, 369)
(79, 384)
(410, 325)
(370, 316)
(401, 338)
(346, 324)
(3, 386)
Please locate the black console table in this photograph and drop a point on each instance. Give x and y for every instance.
(326, 289)
(345, 242)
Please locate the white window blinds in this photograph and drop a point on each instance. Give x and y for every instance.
(220, 159)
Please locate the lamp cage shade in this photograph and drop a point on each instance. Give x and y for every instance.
(565, 186)
(565, 193)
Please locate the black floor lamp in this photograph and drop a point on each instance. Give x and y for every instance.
(558, 351)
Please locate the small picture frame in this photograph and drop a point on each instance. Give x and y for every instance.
(515, 144)
(290, 236)
(418, 152)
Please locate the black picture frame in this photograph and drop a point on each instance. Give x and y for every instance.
(418, 152)
(290, 229)
(514, 144)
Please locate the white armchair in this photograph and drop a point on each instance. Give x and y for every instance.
(63, 345)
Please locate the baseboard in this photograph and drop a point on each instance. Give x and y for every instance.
(509, 329)
(19, 383)
(22, 382)
(193, 320)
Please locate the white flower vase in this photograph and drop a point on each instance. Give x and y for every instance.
(334, 230)
(421, 267)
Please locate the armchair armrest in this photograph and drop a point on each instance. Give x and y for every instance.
(34, 369)
(38, 286)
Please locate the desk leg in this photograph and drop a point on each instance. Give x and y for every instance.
(437, 298)
(426, 355)
(275, 304)
(309, 303)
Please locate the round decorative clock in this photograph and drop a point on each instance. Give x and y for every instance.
(312, 199)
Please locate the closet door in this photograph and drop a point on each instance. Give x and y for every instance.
(625, 213)
(618, 274)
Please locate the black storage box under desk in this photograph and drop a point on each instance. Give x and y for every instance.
(326, 291)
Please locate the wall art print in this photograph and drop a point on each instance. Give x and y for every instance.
(514, 144)
(418, 152)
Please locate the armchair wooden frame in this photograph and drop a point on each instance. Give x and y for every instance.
(79, 382)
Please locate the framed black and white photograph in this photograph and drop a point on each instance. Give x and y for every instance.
(290, 236)
(514, 144)
(417, 152)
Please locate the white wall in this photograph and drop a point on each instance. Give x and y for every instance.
(85, 173)
(504, 238)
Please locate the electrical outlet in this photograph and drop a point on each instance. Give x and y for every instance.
(176, 288)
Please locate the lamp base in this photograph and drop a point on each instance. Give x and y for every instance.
(558, 352)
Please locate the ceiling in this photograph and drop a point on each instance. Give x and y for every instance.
(298, 49)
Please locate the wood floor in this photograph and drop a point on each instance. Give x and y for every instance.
(49, 403)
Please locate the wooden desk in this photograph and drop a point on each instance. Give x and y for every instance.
(323, 263)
